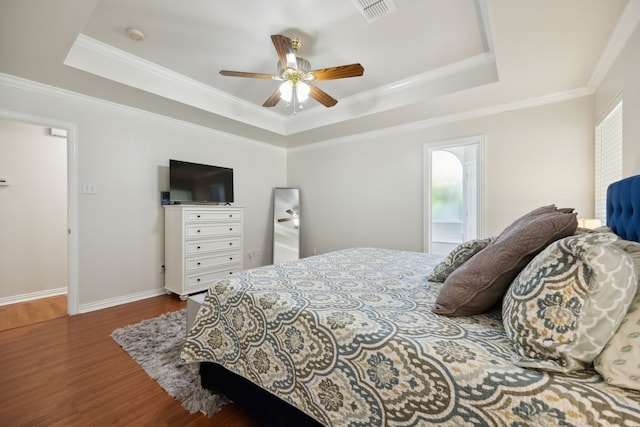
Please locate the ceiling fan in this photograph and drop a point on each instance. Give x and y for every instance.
(294, 216)
(296, 74)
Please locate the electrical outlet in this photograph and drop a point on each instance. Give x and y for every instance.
(161, 268)
(88, 189)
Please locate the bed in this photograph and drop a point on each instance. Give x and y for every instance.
(379, 337)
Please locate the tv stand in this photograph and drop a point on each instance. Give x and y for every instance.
(202, 243)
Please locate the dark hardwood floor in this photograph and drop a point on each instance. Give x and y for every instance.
(69, 372)
(29, 312)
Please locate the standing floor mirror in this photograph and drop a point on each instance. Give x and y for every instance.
(286, 224)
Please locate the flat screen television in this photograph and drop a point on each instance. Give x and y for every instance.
(194, 183)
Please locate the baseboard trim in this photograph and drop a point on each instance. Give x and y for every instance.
(99, 305)
(32, 296)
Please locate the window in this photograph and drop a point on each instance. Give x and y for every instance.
(446, 187)
(453, 193)
(608, 158)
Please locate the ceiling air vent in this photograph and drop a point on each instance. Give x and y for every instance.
(374, 9)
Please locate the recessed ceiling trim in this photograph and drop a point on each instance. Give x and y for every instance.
(104, 60)
(625, 27)
(480, 69)
(483, 10)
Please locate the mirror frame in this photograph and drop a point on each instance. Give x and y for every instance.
(286, 224)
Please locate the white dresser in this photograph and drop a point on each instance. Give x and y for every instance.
(202, 243)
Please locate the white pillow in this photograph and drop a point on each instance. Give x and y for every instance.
(619, 362)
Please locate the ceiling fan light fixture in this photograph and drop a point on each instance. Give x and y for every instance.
(302, 91)
(294, 72)
(286, 91)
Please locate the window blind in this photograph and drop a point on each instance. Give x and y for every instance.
(608, 158)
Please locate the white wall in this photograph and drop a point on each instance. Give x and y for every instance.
(365, 190)
(33, 211)
(125, 154)
(623, 79)
(368, 190)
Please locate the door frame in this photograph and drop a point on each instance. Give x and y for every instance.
(72, 197)
(428, 149)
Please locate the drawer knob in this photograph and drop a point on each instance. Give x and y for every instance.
(198, 216)
(230, 258)
(230, 243)
(198, 231)
(198, 279)
(230, 216)
(198, 248)
(198, 263)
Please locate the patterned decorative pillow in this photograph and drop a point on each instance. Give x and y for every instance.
(457, 257)
(563, 308)
(618, 363)
(602, 229)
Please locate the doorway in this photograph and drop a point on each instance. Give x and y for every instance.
(68, 229)
(454, 193)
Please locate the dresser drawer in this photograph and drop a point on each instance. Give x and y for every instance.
(196, 247)
(211, 230)
(200, 263)
(204, 280)
(204, 216)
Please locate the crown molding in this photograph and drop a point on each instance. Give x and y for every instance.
(40, 88)
(53, 91)
(452, 118)
(626, 25)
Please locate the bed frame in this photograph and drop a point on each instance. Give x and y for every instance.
(623, 217)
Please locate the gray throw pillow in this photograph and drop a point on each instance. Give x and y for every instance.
(480, 283)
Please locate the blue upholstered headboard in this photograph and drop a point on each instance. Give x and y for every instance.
(623, 208)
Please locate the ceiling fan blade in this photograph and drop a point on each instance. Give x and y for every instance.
(322, 97)
(341, 72)
(273, 99)
(286, 54)
(251, 75)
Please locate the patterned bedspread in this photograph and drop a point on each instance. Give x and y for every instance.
(349, 338)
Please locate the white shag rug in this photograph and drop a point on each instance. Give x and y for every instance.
(155, 344)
